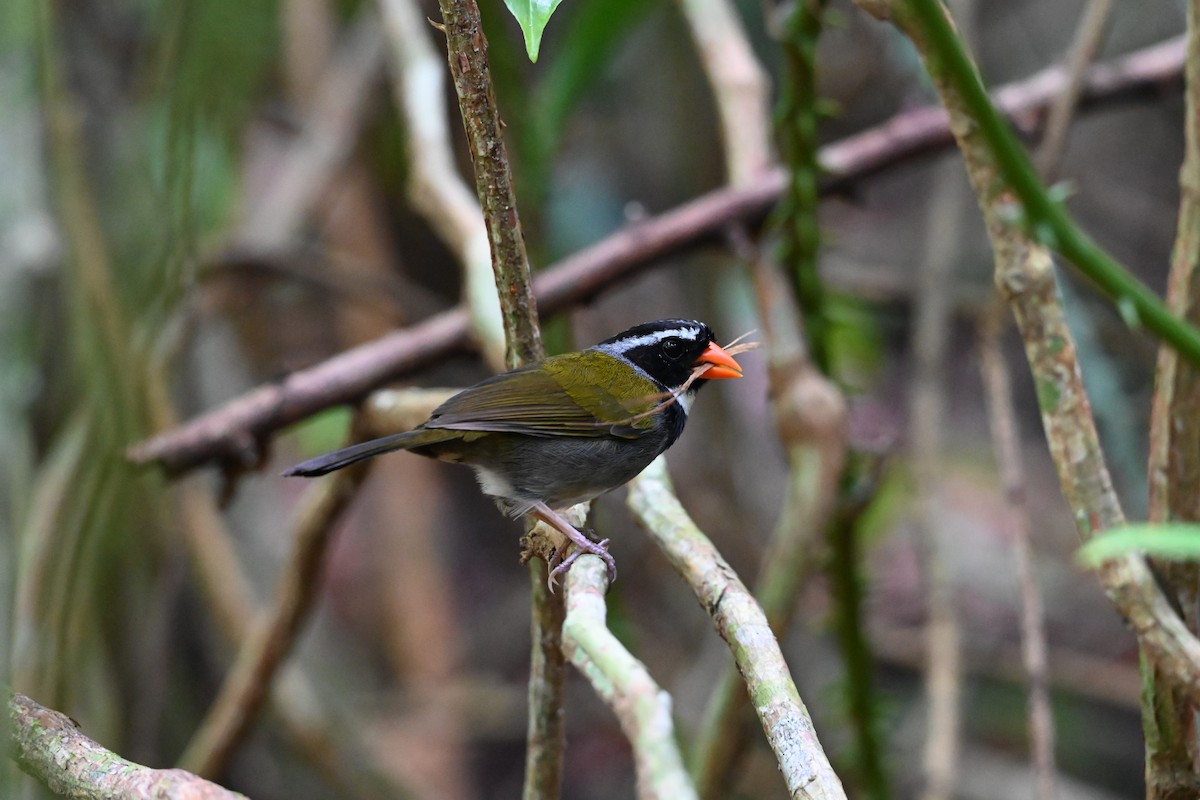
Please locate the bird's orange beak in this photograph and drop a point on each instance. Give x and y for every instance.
(722, 364)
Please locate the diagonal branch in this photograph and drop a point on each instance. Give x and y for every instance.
(232, 433)
(264, 649)
(49, 745)
(741, 623)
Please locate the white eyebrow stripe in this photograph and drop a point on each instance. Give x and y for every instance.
(625, 345)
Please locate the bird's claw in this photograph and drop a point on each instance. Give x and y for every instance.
(559, 566)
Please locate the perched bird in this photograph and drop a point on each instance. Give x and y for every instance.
(545, 437)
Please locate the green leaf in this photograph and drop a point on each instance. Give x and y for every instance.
(532, 16)
(1176, 541)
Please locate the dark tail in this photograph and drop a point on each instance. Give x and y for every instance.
(330, 462)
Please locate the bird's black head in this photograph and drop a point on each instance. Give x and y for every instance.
(666, 350)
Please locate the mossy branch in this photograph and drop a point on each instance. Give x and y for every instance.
(642, 708)
(742, 624)
(49, 745)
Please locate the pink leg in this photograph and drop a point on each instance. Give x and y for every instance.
(582, 544)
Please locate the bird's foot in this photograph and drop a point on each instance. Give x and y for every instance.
(582, 544)
(560, 565)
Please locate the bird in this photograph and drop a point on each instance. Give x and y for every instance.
(568, 429)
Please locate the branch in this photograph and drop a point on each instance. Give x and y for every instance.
(739, 86)
(741, 623)
(642, 708)
(326, 139)
(233, 432)
(50, 746)
(435, 188)
(1089, 35)
(1174, 469)
(1006, 441)
(262, 651)
(468, 56)
(810, 413)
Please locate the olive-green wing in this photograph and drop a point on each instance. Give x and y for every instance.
(535, 401)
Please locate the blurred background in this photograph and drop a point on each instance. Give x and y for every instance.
(147, 274)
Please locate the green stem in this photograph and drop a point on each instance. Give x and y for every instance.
(856, 653)
(798, 118)
(1046, 218)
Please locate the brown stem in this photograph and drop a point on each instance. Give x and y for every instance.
(1169, 716)
(1088, 38)
(468, 56)
(264, 649)
(1006, 439)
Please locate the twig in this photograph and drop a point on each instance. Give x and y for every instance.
(943, 641)
(927, 401)
(1007, 444)
(1025, 277)
(50, 746)
(326, 139)
(545, 737)
(739, 86)
(1172, 748)
(232, 432)
(1092, 677)
(1086, 44)
(642, 708)
(264, 649)
(468, 51)
(435, 188)
(741, 623)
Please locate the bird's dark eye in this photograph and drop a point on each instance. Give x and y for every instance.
(672, 348)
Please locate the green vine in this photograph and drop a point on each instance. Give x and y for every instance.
(1044, 215)
(797, 121)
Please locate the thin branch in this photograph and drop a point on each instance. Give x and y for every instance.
(797, 219)
(546, 733)
(327, 135)
(1089, 35)
(741, 623)
(468, 56)
(233, 432)
(739, 86)
(1172, 746)
(927, 406)
(467, 53)
(264, 649)
(642, 708)
(435, 188)
(50, 746)
(1007, 444)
